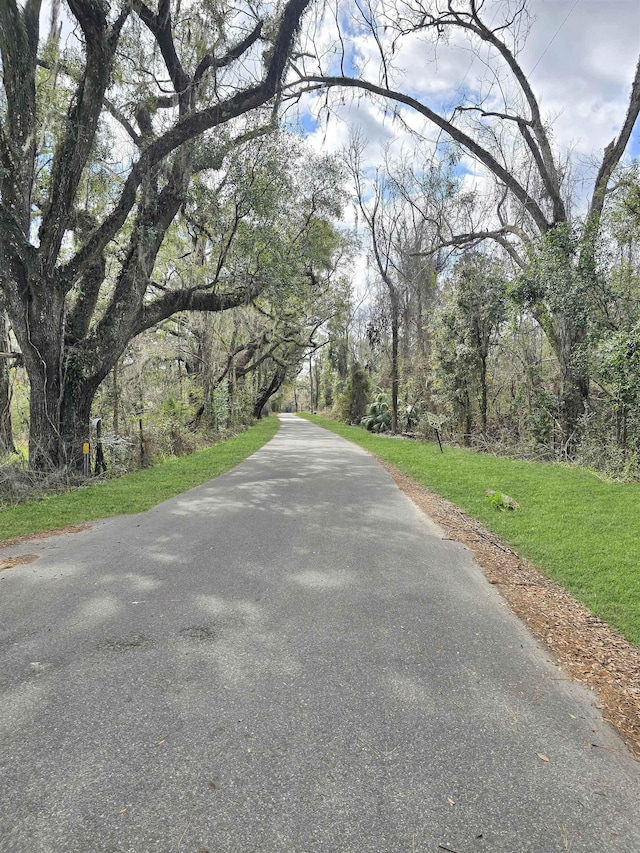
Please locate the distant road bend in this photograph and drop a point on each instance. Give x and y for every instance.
(290, 659)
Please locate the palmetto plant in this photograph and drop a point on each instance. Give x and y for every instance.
(378, 417)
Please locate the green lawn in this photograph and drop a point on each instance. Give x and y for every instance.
(580, 530)
(138, 491)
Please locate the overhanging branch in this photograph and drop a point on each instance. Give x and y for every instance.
(459, 136)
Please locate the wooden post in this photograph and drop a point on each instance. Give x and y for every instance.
(100, 464)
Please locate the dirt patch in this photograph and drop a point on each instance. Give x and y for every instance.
(22, 560)
(587, 648)
(44, 534)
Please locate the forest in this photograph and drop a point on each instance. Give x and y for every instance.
(178, 260)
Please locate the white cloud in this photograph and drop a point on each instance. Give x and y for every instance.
(580, 58)
(584, 66)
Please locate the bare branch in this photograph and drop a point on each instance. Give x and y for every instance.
(463, 139)
(210, 61)
(615, 149)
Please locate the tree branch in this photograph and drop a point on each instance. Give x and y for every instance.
(160, 26)
(615, 149)
(210, 61)
(472, 22)
(463, 139)
(81, 124)
(192, 299)
(188, 128)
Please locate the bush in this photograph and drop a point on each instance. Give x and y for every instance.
(378, 417)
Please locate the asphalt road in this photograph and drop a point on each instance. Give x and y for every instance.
(290, 658)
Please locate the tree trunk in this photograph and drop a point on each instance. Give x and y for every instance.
(574, 397)
(63, 385)
(483, 393)
(100, 463)
(574, 390)
(468, 418)
(116, 401)
(267, 391)
(42, 360)
(394, 361)
(6, 432)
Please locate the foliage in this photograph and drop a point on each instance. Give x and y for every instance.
(378, 417)
(145, 179)
(470, 322)
(352, 402)
(529, 216)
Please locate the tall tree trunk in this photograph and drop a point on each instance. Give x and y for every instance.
(6, 432)
(116, 400)
(468, 417)
(63, 383)
(394, 360)
(574, 390)
(267, 391)
(483, 393)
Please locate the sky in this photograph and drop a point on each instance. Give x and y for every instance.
(579, 55)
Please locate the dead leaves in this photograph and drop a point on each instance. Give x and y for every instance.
(21, 560)
(45, 534)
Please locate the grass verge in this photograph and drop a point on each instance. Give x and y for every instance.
(579, 530)
(138, 491)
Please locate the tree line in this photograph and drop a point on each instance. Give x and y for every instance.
(146, 177)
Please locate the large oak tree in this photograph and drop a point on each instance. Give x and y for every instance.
(154, 84)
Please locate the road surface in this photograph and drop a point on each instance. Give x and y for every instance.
(290, 658)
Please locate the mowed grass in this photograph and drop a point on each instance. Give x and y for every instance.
(580, 530)
(138, 491)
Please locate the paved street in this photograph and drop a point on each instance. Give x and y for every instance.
(290, 658)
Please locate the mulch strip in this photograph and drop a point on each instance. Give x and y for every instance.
(44, 534)
(586, 647)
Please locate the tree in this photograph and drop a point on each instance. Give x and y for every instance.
(352, 402)
(401, 238)
(383, 223)
(307, 284)
(77, 264)
(6, 432)
(472, 321)
(500, 126)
